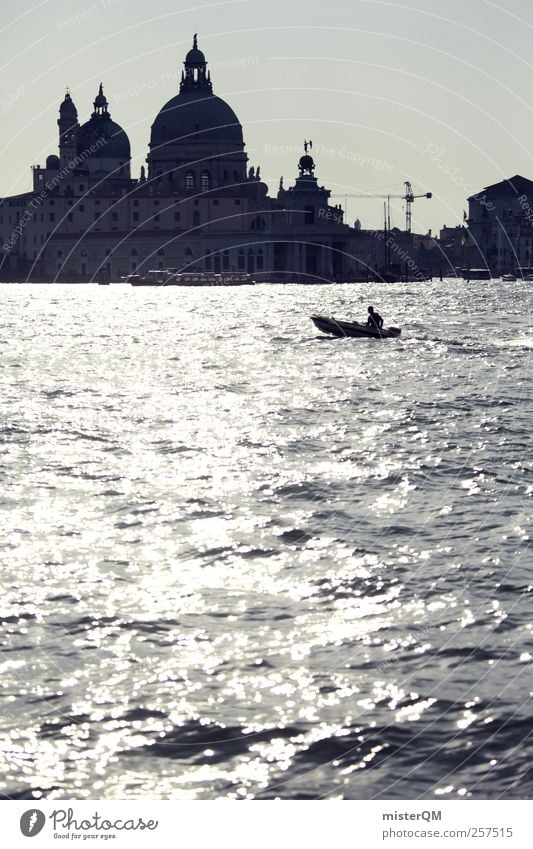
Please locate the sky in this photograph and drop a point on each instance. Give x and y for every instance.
(440, 94)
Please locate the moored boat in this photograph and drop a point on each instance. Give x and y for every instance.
(476, 274)
(524, 273)
(171, 277)
(337, 327)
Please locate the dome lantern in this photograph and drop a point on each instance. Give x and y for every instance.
(195, 77)
(100, 102)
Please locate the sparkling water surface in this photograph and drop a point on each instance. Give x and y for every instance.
(245, 560)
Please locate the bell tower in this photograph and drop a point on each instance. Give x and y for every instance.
(68, 130)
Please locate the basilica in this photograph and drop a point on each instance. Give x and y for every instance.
(198, 204)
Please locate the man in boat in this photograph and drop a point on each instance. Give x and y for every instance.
(374, 319)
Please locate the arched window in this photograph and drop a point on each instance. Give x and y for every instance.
(258, 223)
(236, 176)
(188, 252)
(161, 252)
(205, 181)
(207, 261)
(240, 260)
(190, 181)
(250, 261)
(260, 259)
(225, 261)
(225, 175)
(59, 253)
(134, 252)
(196, 218)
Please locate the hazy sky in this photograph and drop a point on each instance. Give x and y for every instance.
(438, 93)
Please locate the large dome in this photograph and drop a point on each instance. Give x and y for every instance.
(196, 117)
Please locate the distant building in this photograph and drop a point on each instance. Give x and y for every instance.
(500, 226)
(453, 242)
(198, 205)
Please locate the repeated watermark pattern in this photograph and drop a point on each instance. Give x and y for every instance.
(437, 156)
(322, 150)
(527, 209)
(400, 253)
(174, 77)
(88, 12)
(8, 102)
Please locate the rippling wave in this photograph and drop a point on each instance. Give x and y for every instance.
(242, 560)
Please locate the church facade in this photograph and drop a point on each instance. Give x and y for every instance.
(197, 205)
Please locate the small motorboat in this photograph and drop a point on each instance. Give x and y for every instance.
(336, 327)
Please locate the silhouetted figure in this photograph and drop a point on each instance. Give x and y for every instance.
(374, 319)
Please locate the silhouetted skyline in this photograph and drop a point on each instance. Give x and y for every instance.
(438, 95)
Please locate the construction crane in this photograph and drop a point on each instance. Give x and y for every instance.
(408, 197)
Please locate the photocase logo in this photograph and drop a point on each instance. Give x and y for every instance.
(32, 822)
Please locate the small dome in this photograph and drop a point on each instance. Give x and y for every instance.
(52, 162)
(195, 55)
(307, 163)
(100, 136)
(190, 118)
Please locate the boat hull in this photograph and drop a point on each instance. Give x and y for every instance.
(336, 327)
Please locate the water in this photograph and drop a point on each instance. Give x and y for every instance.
(244, 560)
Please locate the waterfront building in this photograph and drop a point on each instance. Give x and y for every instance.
(500, 226)
(197, 205)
